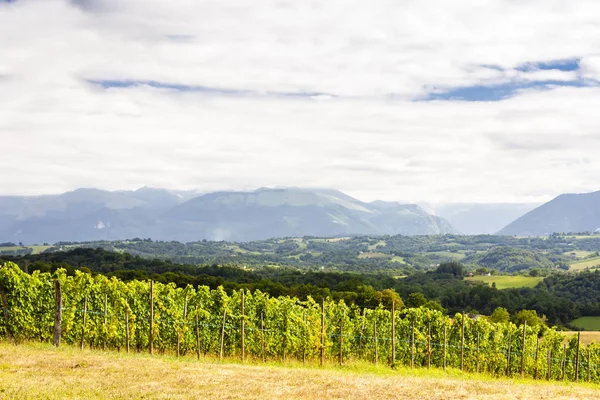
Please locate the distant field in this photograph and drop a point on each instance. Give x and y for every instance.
(374, 246)
(578, 253)
(583, 264)
(508, 282)
(587, 323)
(42, 372)
(35, 249)
(329, 240)
(10, 248)
(373, 255)
(448, 254)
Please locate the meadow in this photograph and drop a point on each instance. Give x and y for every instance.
(587, 323)
(507, 282)
(581, 265)
(39, 371)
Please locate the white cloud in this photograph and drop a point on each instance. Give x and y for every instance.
(59, 132)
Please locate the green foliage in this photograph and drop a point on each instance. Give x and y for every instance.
(190, 319)
(500, 315)
(416, 300)
(452, 268)
(529, 316)
(510, 259)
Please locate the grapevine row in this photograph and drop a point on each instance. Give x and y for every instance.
(108, 313)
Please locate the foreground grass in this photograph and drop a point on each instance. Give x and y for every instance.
(508, 282)
(34, 371)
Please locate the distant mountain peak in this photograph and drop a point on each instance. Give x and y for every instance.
(570, 212)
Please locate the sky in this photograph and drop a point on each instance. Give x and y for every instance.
(421, 101)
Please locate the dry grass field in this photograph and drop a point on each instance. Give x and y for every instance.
(34, 371)
(587, 337)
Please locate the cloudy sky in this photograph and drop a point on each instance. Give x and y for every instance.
(438, 101)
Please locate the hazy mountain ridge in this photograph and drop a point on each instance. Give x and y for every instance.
(92, 214)
(565, 213)
(480, 218)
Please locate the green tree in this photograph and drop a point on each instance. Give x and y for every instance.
(387, 296)
(416, 299)
(528, 315)
(435, 306)
(500, 314)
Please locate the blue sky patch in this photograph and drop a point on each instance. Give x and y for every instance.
(203, 89)
(497, 92)
(561, 65)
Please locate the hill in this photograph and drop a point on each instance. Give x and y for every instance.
(510, 259)
(92, 214)
(565, 213)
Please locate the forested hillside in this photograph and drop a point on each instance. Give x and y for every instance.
(396, 255)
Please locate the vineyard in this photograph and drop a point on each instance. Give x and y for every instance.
(94, 311)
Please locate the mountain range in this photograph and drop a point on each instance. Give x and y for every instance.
(92, 214)
(160, 214)
(565, 213)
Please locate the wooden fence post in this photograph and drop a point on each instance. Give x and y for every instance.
(243, 330)
(445, 345)
(412, 344)
(104, 326)
(477, 355)
(508, 354)
(535, 361)
(549, 375)
(184, 322)
(262, 337)
(222, 336)
(375, 338)
(284, 342)
(84, 321)
(341, 361)
(362, 330)
(304, 345)
(462, 343)
(577, 357)
(393, 358)
(523, 349)
(429, 344)
(564, 362)
(322, 358)
(197, 336)
(57, 313)
(151, 336)
(5, 309)
(127, 329)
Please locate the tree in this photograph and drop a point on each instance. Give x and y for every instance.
(453, 268)
(434, 305)
(500, 314)
(416, 300)
(387, 296)
(528, 315)
(534, 272)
